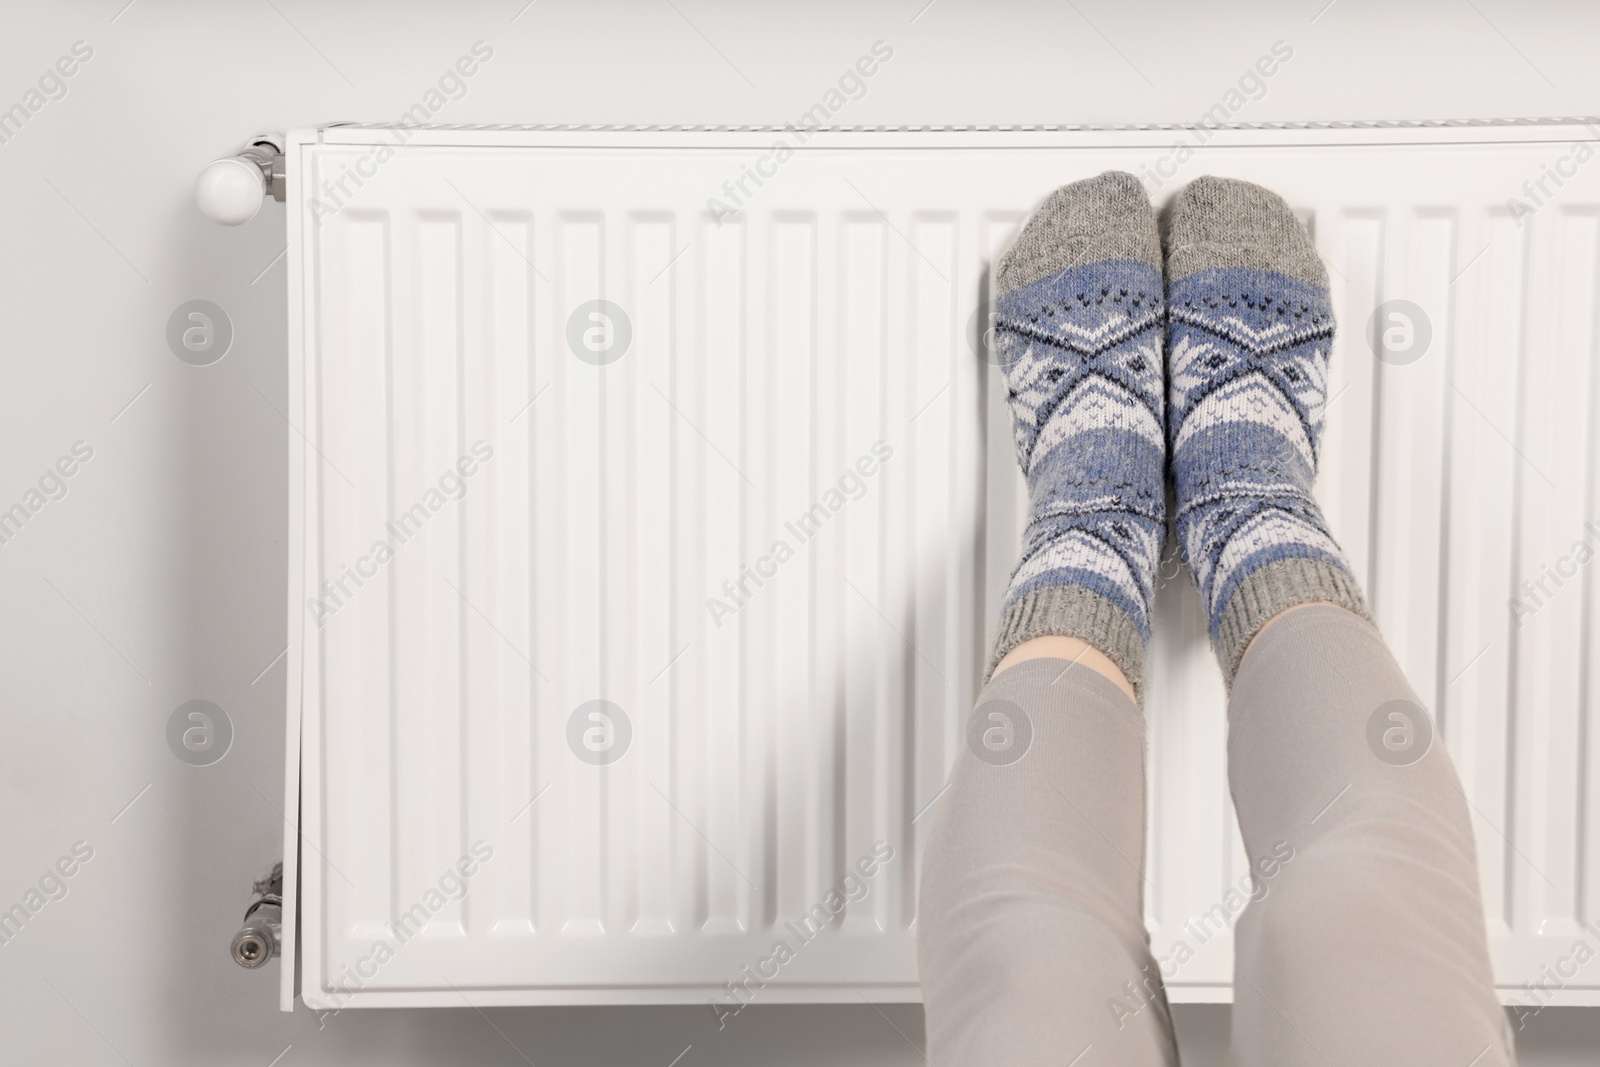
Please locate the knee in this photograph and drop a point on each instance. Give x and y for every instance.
(1371, 884)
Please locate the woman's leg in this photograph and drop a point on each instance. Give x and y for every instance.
(1369, 945)
(1031, 929)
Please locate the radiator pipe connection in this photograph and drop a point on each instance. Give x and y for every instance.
(259, 939)
(232, 189)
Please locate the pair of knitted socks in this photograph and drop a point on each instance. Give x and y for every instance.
(1091, 310)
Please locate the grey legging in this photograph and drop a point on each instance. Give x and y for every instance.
(1369, 947)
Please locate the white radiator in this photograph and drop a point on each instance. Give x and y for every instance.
(762, 502)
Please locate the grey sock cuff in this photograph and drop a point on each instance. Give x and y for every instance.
(1223, 222)
(1073, 611)
(1105, 217)
(1275, 587)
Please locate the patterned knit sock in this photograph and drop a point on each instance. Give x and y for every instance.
(1250, 329)
(1078, 334)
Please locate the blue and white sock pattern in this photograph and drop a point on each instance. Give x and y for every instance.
(1248, 354)
(1081, 354)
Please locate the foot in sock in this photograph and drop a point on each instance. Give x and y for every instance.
(1078, 334)
(1250, 327)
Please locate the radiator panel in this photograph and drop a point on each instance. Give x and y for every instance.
(770, 534)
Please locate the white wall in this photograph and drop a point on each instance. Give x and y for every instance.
(158, 578)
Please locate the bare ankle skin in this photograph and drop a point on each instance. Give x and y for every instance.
(1055, 646)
